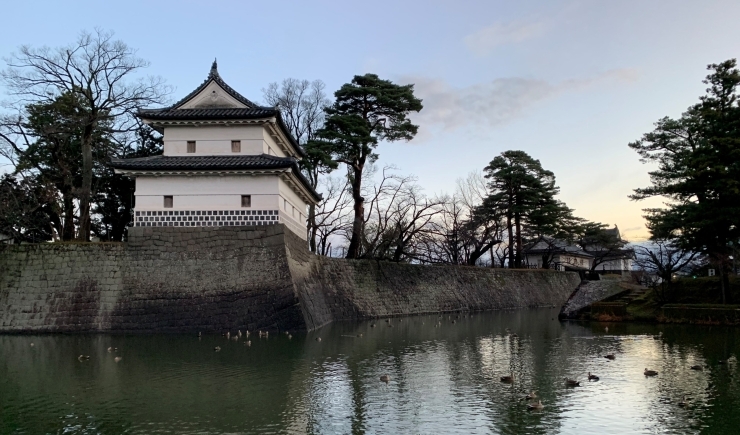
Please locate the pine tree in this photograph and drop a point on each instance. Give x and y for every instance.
(366, 111)
(698, 158)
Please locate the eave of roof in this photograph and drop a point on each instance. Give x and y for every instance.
(214, 163)
(252, 111)
(213, 75)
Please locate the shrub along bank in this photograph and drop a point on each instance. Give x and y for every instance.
(688, 300)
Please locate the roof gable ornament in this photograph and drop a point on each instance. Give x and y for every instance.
(214, 69)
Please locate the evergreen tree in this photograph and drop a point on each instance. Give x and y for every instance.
(698, 158)
(366, 111)
(524, 192)
(113, 201)
(55, 156)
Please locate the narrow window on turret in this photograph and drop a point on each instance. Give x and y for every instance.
(191, 146)
(236, 146)
(246, 200)
(168, 202)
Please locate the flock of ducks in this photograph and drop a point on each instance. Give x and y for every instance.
(535, 402)
(110, 350)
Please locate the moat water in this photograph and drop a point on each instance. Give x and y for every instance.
(444, 379)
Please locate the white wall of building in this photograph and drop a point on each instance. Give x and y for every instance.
(619, 264)
(207, 192)
(216, 140)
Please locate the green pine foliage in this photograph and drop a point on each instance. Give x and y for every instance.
(366, 111)
(698, 172)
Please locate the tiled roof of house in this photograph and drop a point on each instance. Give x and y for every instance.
(547, 244)
(260, 161)
(213, 75)
(252, 111)
(209, 113)
(214, 162)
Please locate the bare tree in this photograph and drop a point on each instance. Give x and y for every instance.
(301, 105)
(333, 213)
(98, 70)
(459, 234)
(663, 259)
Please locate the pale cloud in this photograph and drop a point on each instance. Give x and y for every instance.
(486, 39)
(493, 103)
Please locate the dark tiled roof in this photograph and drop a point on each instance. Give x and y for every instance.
(261, 161)
(555, 246)
(252, 111)
(213, 75)
(225, 162)
(209, 113)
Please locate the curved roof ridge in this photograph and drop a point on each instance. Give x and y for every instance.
(213, 75)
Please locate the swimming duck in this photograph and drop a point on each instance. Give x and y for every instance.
(372, 325)
(385, 378)
(572, 382)
(610, 356)
(697, 367)
(318, 338)
(248, 343)
(118, 359)
(535, 406)
(650, 372)
(508, 379)
(217, 348)
(531, 396)
(592, 377)
(83, 357)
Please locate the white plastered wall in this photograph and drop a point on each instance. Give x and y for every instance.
(207, 192)
(293, 210)
(216, 140)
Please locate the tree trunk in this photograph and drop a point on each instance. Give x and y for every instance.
(85, 192)
(68, 227)
(518, 258)
(353, 251)
(724, 280)
(511, 239)
(312, 227)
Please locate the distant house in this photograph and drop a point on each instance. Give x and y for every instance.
(550, 253)
(610, 254)
(604, 253)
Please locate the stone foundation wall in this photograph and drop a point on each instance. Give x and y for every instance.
(223, 278)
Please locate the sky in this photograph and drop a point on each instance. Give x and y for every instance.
(569, 82)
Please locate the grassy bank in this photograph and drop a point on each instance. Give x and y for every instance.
(689, 300)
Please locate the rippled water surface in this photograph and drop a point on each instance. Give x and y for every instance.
(444, 379)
